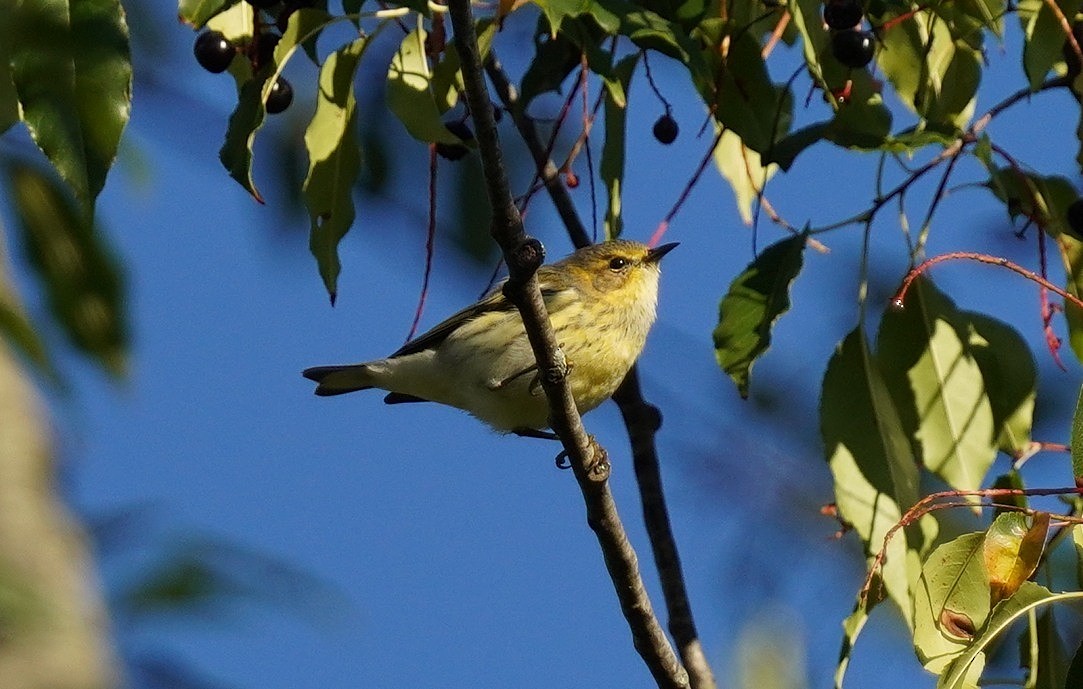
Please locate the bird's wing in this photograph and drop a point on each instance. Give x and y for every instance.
(491, 303)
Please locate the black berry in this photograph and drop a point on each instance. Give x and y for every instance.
(842, 14)
(666, 129)
(1075, 219)
(213, 51)
(455, 151)
(280, 97)
(853, 48)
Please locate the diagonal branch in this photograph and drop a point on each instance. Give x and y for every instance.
(640, 418)
(523, 255)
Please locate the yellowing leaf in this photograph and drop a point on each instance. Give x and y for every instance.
(1012, 550)
(951, 601)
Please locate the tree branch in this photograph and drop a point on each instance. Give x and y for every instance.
(641, 419)
(523, 255)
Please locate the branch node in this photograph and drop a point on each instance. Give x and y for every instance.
(599, 465)
(526, 258)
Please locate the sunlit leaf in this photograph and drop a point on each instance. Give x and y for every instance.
(755, 300)
(742, 169)
(1012, 549)
(1030, 596)
(1077, 439)
(874, 472)
(409, 92)
(951, 601)
(72, 71)
(334, 159)
(938, 387)
(76, 267)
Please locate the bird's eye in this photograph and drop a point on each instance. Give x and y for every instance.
(617, 263)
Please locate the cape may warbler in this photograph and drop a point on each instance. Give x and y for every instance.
(601, 301)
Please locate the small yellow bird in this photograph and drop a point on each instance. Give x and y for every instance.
(601, 302)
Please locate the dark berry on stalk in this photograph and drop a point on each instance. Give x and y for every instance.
(853, 48)
(455, 151)
(1075, 219)
(842, 14)
(280, 97)
(666, 129)
(213, 51)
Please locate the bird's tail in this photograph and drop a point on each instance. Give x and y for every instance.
(337, 380)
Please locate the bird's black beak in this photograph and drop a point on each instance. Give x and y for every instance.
(655, 255)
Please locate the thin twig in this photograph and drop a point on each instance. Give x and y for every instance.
(430, 239)
(523, 256)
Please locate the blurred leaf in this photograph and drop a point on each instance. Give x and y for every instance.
(197, 12)
(334, 159)
(1074, 678)
(554, 59)
(77, 268)
(157, 671)
(182, 582)
(937, 386)
(1030, 596)
(1048, 665)
(409, 92)
(1044, 36)
(742, 168)
(20, 333)
(755, 300)
(1041, 199)
(612, 165)
(72, 72)
(1011, 378)
(9, 98)
(1012, 550)
(874, 473)
(1011, 480)
(606, 13)
(784, 151)
(951, 601)
(1076, 442)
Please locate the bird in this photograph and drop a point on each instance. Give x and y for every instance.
(602, 301)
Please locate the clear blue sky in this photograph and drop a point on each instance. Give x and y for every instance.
(449, 556)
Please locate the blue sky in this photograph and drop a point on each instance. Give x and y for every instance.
(449, 556)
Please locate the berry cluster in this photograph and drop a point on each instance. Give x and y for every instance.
(214, 52)
(850, 44)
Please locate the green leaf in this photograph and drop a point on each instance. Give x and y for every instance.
(75, 265)
(19, 332)
(951, 601)
(1012, 550)
(9, 98)
(784, 151)
(1044, 35)
(755, 300)
(1030, 596)
(1074, 677)
(606, 13)
(742, 168)
(236, 151)
(409, 92)
(554, 59)
(72, 71)
(1077, 439)
(874, 473)
(1011, 378)
(934, 74)
(196, 13)
(1011, 480)
(1043, 654)
(612, 165)
(747, 102)
(334, 159)
(938, 387)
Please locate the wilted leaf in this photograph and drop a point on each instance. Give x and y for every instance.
(951, 601)
(72, 72)
(755, 300)
(334, 157)
(1012, 550)
(76, 267)
(938, 387)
